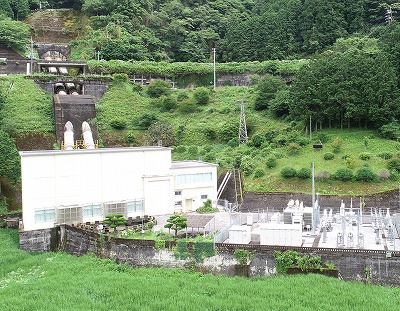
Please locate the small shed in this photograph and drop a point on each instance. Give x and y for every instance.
(204, 223)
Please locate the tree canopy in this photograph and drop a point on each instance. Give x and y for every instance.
(13, 34)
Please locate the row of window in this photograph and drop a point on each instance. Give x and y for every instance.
(202, 197)
(193, 178)
(77, 213)
(179, 203)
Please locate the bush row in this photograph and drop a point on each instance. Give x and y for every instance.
(363, 174)
(187, 68)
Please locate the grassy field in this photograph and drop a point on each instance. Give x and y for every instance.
(57, 281)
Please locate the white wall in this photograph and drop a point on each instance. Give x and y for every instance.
(194, 191)
(58, 178)
(79, 177)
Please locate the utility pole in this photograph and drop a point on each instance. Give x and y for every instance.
(310, 130)
(314, 212)
(215, 75)
(243, 138)
(31, 63)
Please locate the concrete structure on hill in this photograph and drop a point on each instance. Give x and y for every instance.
(84, 185)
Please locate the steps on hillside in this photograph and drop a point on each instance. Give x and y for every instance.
(55, 26)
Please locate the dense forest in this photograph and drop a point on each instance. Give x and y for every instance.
(240, 30)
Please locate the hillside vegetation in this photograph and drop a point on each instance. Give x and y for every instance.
(345, 88)
(52, 281)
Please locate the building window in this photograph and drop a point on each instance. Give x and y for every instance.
(115, 208)
(204, 197)
(178, 203)
(135, 206)
(45, 215)
(179, 192)
(193, 178)
(92, 210)
(69, 214)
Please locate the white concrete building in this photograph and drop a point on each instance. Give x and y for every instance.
(71, 186)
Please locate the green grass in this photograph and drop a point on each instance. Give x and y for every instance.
(28, 108)
(353, 145)
(57, 281)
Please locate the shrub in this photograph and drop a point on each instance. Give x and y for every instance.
(350, 162)
(243, 256)
(163, 132)
(209, 157)
(207, 208)
(210, 133)
(130, 138)
(293, 149)
(324, 175)
(257, 140)
(182, 96)
(365, 156)
(302, 141)
(193, 151)
(322, 138)
(259, 172)
(120, 78)
(365, 174)
(304, 173)
(385, 155)
(180, 149)
(118, 123)
(246, 165)
(168, 103)
(384, 174)
(288, 172)
(158, 88)
(147, 119)
(271, 162)
(337, 145)
(201, 96)
(228, 131)
(344, 174)
(390, 130)
(329, 156)
(187, 106)
(394, 164)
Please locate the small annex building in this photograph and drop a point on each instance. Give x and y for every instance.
(84, 185)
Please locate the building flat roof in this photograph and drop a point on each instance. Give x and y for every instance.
(190, 164)
(99, 150)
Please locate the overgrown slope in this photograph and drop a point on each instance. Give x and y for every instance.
(210, 132)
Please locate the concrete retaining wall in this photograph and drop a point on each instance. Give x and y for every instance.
(278, 201)
(143, 253)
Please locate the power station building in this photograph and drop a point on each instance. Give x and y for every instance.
(85, 185)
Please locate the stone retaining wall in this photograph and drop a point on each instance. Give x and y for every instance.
(351, 263)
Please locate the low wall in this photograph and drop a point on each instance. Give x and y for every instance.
(351, 263)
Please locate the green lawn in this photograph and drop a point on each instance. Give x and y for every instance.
(57, 281)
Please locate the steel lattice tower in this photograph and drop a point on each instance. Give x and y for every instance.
(243, 138)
